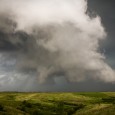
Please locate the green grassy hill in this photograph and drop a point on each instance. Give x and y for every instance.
(101, 103)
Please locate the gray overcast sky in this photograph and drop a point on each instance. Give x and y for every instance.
(38, 56)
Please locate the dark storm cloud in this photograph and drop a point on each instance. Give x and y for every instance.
(106, 8)
(53, 46)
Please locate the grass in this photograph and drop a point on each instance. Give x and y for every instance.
(83, 103)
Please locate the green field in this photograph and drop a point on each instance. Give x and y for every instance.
(101, 103)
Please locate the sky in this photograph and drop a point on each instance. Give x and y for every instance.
(57, 45)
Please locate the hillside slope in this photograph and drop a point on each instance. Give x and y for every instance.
(101, 103)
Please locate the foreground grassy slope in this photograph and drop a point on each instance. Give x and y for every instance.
(100, 103)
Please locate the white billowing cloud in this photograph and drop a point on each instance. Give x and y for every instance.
(32, 12)
(72, 37)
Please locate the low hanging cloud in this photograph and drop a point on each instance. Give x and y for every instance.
(52, 38)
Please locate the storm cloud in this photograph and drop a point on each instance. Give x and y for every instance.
(41, 40)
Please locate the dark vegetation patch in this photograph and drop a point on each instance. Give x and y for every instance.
(108, 100)
(1, 107)
(58, 108)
